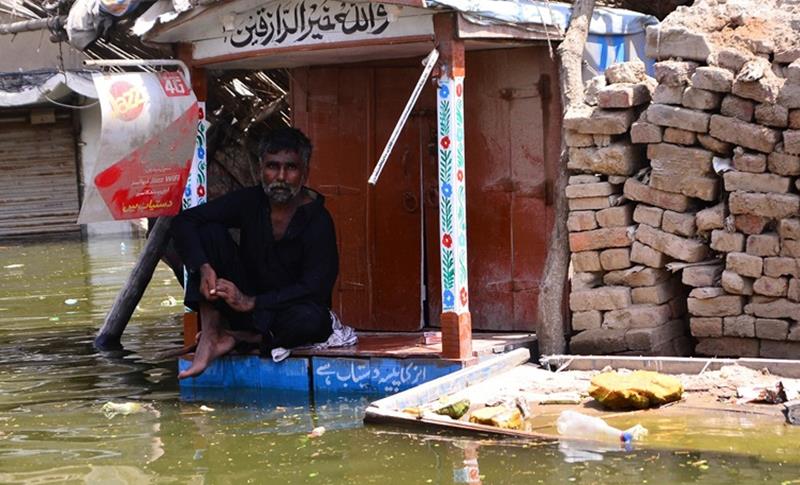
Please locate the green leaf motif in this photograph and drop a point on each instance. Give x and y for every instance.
(444, 118)
(448, 269)
(447, 215)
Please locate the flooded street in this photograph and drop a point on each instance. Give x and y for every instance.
(54, 384)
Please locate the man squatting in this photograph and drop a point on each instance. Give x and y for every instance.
(272, 289)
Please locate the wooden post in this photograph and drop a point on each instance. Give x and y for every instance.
(117, 319)
(550, 314)
(455, 319)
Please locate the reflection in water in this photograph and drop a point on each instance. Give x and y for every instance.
(54, 385)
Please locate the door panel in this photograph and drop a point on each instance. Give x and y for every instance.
(349, 113)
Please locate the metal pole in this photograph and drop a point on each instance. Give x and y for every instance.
(140, 63)
(31, 25)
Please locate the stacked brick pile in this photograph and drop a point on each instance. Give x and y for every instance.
(735, 110)
(623, 300)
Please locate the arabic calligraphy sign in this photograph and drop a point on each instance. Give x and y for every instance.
(303, 22)
(381, 375)
(147, 140)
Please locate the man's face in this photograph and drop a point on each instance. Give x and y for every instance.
(282, 175)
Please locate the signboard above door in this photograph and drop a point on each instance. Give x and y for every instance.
(303, 25)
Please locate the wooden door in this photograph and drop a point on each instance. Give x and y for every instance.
(512, 133)
(349, 113)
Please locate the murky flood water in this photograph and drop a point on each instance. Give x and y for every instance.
(53, 385)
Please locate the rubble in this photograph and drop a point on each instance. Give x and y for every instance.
(711, 166)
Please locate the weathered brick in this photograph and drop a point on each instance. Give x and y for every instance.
(627, 72)
(712, 79)
(727, 347)
(644, 254)
(793, 72)
(615, 216)
(598, 189)
(637, 316)
(603, 298)
(653, 337)
(791, 142)
(789, 95)
(645, 214)
(781, 266)
(635, 277)
(623, 95)
(586, 320)
(775, 206)
(719, 306)
(794, 119)
(615, 159)
(769, 286)
(656, 294)
(680, 223)
(591, 88)
(586, 281)
(737, 107)
(773, 308)
(681, 137)
(717, 146)
(586, 261)
(583, 178)
(695, 98)
(611, 237)
(790, 248)
(695, 161)
(617, 258)
(763, 90)
(772, 329)
(707, 292)
(789, 228)
(700, 276)
(644, 132)
(772, 115)
(635, 190)
(744, 264)
(748, 135)
(783, 163)
(728, 58)
(581, 221)
(574, 139)
(592, 203)
(677, 117)
(598, 342)
(605, 140)
(663, 42)
(599, 121)
(677, 181)
(727, 242)
(750, 224)
(736, 284)
(749, 161)
(706, 326)
(689, 250)
(763, 244)
(710, 218)
(739, 326)
(793, 293)
(772, 349)
(674, 73)
(756, 182)
(666, 94)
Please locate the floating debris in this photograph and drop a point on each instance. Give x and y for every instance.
(317, 432)
(71, 301)
(111, 409)
(206, 409)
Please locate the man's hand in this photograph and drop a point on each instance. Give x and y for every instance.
(233, 297)
(208, 282)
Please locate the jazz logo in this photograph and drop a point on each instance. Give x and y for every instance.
(127, 101)
(173, 84)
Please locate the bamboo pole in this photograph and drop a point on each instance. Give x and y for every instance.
(550, 318)
(108, 338)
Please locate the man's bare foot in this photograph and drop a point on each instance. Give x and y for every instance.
(210, 346)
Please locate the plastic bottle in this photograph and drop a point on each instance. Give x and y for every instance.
(577, 425)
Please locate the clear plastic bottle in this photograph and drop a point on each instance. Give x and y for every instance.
(577, 425)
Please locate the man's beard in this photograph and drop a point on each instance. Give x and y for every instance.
(280, 192)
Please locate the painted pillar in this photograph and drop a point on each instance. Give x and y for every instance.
(456, 322)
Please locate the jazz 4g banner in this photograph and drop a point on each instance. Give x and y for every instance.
(147, 140)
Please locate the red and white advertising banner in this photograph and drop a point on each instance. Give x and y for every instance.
(147, 141)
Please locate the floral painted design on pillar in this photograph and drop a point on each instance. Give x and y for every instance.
(197, 184)
(452, 195)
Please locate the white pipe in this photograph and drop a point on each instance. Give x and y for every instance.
(430, 61)
(139, 63)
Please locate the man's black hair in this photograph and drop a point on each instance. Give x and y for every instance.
(290, 139)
